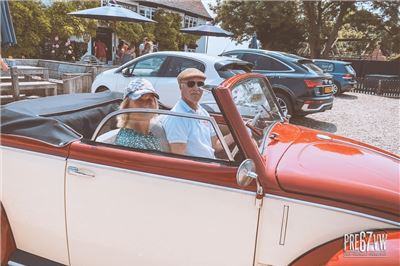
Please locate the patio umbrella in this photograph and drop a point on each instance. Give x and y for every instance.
(207, 30)
(111, 12)
(7, 29)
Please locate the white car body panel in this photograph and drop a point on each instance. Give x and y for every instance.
(166, 87)
(144, 219)
(308, 224)
(33, 197)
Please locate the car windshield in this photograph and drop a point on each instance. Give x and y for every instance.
(313, 67)
(255, 102)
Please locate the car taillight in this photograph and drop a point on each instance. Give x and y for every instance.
(348, 76)
(311, 84)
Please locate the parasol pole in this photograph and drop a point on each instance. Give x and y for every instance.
(206, 43)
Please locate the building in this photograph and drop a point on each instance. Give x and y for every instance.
(193, 12)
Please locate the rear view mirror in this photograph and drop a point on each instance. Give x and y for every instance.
(127, 72)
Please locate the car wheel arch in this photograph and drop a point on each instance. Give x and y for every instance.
(285, 91)
(101, 89)
(8, 245)
(332, 253)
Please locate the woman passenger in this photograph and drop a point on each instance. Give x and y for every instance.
(136, 129)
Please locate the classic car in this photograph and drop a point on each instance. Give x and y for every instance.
(279, 195)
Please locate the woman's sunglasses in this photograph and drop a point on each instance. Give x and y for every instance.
(191, 83)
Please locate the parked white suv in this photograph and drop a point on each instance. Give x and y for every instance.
(162, 68)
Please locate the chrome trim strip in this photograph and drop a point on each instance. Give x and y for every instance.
(166, 112)
(285, 218)
(305, 107)
(170, 178)
(271, 196)
(33, 153)
(62, 144)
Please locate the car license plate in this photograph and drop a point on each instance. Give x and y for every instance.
(328, 90)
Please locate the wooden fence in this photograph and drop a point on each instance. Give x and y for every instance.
(380, 87)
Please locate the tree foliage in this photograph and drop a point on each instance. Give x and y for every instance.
(275, 23)
(31, 25)
(285, 25)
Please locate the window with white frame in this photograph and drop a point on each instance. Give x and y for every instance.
(147, 12)
(190, 22)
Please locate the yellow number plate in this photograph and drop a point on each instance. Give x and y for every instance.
(327, 89)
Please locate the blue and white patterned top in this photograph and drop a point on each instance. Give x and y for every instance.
(130, 138)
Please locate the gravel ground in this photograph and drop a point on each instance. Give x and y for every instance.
(371, 119)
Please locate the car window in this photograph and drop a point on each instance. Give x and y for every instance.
(327, 67)
(148, 67)
(350, 69)
(177, 64)
(312, 67)
(231, 70)
(234, 55)
(120, 129)
(264, 63)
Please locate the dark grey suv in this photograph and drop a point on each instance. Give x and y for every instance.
(300, 86)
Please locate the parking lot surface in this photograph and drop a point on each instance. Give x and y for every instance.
(371, 119)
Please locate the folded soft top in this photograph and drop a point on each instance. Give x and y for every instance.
(58, 120)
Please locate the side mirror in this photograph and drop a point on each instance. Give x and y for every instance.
(127, 72)
(246, 173)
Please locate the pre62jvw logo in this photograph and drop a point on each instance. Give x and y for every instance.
(365, 244)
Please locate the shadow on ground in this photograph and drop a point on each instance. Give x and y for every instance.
(347, 97)
(314, 124)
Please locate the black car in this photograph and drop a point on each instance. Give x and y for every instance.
(300, 86)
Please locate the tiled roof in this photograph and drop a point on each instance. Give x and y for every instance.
(191, 7)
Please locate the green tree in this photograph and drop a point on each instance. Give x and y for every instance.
(323, 20)
(31, 25)
(284, 25)
(64, 25)
(275, 23)
(167, 31)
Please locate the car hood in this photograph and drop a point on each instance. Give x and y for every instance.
(337, 168)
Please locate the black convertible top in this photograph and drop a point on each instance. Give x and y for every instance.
(58, 120)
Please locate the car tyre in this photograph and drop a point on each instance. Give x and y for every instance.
(336, 89)
(101, 89)
(285, 103)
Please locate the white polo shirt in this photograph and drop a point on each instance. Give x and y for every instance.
(196, 134)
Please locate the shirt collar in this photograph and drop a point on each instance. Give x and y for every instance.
(187, 108)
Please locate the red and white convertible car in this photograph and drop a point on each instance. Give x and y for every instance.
(301, 197)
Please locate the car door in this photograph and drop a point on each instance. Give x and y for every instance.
(167, 84)
(136, 207)
(147, 67)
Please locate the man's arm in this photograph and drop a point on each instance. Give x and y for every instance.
(216, 143)
(178, 148)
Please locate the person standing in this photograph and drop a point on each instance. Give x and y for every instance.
(148, 48)
(3, 66)
(129, 54)
(142, 45)
(100, 51)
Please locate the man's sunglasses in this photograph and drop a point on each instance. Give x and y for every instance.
(191, 83)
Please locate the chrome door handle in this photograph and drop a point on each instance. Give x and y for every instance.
(73, 170)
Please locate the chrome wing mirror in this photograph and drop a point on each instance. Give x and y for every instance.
(246, 173)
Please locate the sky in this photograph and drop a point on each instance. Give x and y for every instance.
(217, 45)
